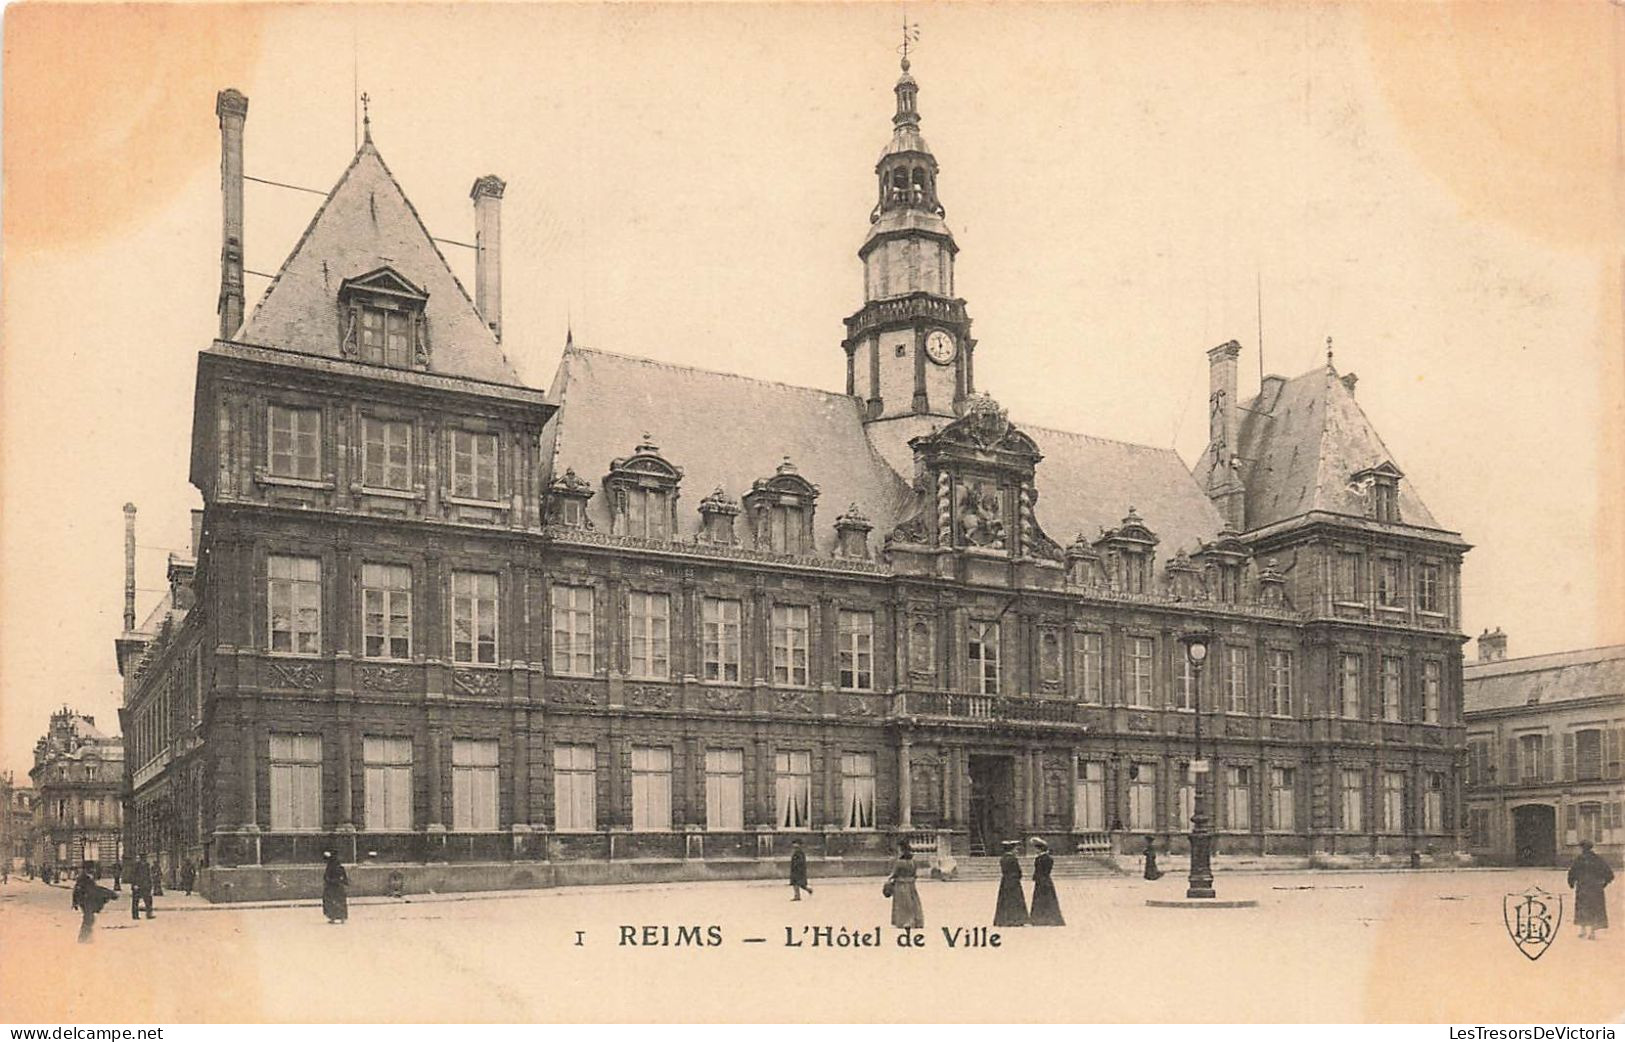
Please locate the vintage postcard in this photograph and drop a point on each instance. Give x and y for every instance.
(813, 513)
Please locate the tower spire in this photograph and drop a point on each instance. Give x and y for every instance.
(908, 113)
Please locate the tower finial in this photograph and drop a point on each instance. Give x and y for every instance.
(911, 34)
(366, 118)
(1329, 353)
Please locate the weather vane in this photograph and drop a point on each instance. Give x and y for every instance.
(911, 34)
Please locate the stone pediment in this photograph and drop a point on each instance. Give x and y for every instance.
(384, 280)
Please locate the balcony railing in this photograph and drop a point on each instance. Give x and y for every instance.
(992, 708)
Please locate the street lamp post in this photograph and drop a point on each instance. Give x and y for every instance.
(1201, 879)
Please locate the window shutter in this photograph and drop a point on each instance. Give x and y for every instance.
(1571, 829)
(1568, 756)
(1615, 753)
(1547, 752)
(1510, 777)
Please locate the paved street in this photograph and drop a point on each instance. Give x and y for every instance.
(1427, 946)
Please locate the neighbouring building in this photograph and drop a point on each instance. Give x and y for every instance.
(659, 621)
(78, 776)
(16, 822)
(1545, 753)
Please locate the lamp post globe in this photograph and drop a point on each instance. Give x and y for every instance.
(1201, 840)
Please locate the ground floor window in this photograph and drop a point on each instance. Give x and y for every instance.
(1433, 803)
(858, 790)
(1283, 799)
(792, 785)
(724, 789)
(296, 781)
(1478, 827)
(1351, 800)
(1091, 796)
(1588, 822)
(1393, 801)
(1238, 798)
(1185, 812)
(92, 850)
(1142, 797)
(575, 780)
(651, 788)
(388, 763)
(474, 784)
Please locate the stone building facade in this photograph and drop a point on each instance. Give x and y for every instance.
(1545, 754)
(660, 622)
(78, 776)
(16, 822)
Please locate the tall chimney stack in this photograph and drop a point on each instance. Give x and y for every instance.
(232, 108)
(129, 567)
(1224, 435)
(487, 196)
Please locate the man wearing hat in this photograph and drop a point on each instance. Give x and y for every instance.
(1012, 907)
(1589, 876)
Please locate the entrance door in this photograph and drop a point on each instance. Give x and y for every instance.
(992, 802)
(1534, 834)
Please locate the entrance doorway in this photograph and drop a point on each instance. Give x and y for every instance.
(1534, 834)
(992, 802)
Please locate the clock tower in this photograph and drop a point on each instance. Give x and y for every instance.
(908, 349)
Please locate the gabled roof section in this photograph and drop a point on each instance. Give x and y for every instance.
(724, 431)
(365, 225)
(1543, 680)
(1303, 442)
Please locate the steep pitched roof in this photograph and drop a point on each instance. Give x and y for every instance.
(1544, 679)
(367, 223)
(723, 431)
(1301, 441)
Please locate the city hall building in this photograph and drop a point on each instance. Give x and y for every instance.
(660, 622)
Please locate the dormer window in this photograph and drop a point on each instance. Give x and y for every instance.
(1131, 547)
(381, 320)
(717, 513)
(1225, 559)
(642, 492)
(1379, 486)
(780, 509)
(852, 534)
(567, 501)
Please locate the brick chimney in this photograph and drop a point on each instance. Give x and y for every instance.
(1492, 647)
(1224, 435)
(487, 196)
(129, 567)
(232, 108)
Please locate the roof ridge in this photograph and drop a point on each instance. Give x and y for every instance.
(680, 367)
(1525, 660)
(1098, 439)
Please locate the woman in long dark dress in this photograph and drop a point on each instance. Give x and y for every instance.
(1589, 876)
(1012, 908)
(1151, 869)
(1046, 904)
(335, 881)
(906, 910)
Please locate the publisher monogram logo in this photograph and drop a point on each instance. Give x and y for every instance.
(1532, 919)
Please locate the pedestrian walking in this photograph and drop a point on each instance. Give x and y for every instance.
(1012, 907)
(1151, 869)
(798, 870)
(155, 869)
(335, 881)
(1046, 903)
(188, 876)
(118, 872)
(140, 888)
(1589, 876)
(906, 910)
(89, 899)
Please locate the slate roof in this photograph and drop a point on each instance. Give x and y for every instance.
(365, 223)
(1562, 677)
(1300, 442)
(728, 431)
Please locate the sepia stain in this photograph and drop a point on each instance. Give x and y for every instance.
(101, 103)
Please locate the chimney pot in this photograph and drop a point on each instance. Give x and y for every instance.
(487, 196)
(1224, 434)
(232, 109)
(129, 567)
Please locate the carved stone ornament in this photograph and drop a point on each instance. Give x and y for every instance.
(857, 705)
(646, 696)
(573, 695)
(383, 678)
(797, 702)
(724, 700)
(1139, 722)
(476, 681)
(986, 421)
(1238, 728)
(981, 521)
(301, 675)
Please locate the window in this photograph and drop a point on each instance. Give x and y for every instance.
(1385, 500)
(1091, 796)
(386, 337)
(1229, 583)
(721, 640)
(1478, 827)
(1348, 577)
(1393, 673)
(1140, 650)
(296, 781)
(388, 763)
(1142, 797)
(858, 790)
(474, 617)
(1091, 666)
(1587, 823)
(1185, 809)
(92, 812)
(1049, 658)
(651, 788)
(725, 789)
(857, 649)
(1136, 571)
(1349, 686)
(787, 529)
(1388, 582)
(792, 789)
(1478, 762)
(386, 611)
(983, 652)
(295, 594)
(1351, 791)
(1532, 756)
(1430, 692)
(921, 656)
(1588, 754)
(572, 629)
(1433, 803)
(1393, 801)
(473, 784)
(648, 514)
(1427, 588)
(648, 635)
(1238, 798)
(386, 453)
(790, 644)
(295, 443)
(1185, 683)
(1235, 680)
(575, 781)
(1280, 682)
(1283, 799)
(92, 851)
(474, 465)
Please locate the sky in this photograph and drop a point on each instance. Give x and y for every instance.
(1436, 188)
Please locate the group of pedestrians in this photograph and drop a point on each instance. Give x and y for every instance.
(1011, 910)
(90, 897)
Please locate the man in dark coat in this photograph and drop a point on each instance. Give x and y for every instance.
(188, 876)
(89, 899)
(1012, 907)
(140, 888)
(1589, 876)
(118, 873)
(798, 870)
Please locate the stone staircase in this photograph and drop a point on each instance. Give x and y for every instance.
(1067, 866)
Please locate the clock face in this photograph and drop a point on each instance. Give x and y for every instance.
(940, 346)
